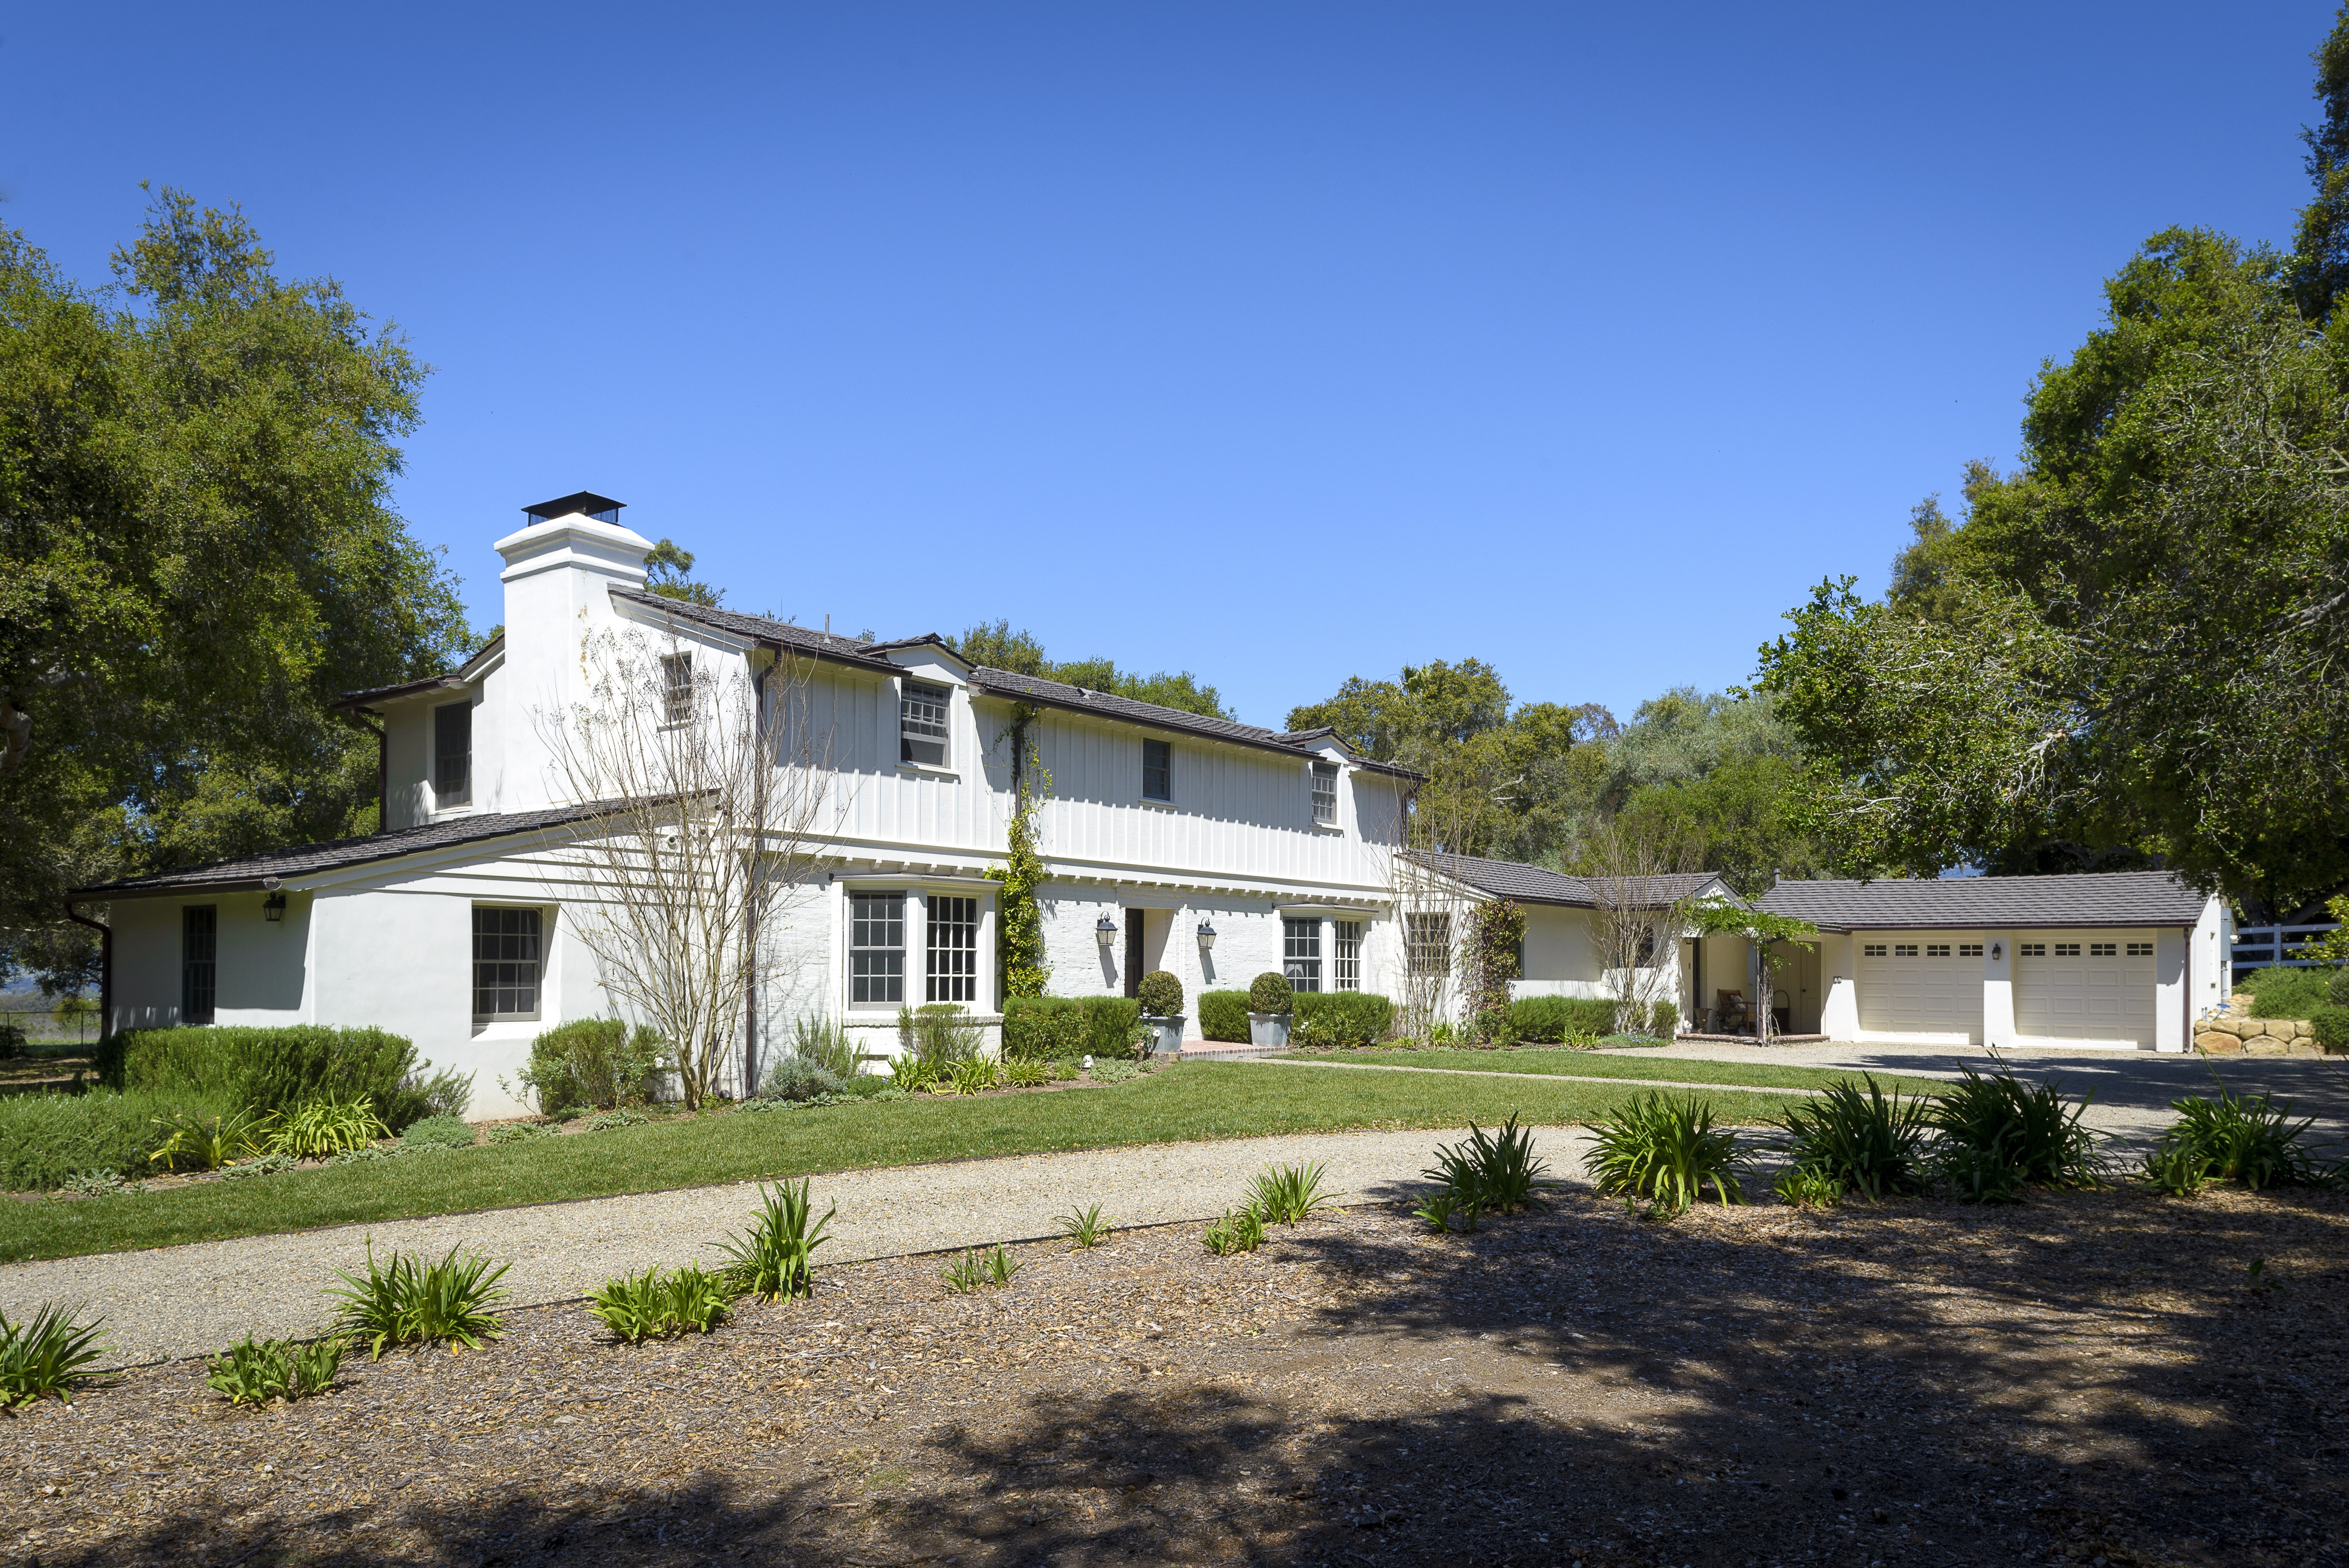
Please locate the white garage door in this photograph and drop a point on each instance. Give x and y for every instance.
(2085, 985)
(1930, 983)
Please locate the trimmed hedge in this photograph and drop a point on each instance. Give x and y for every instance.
(1340, 1018)
(1552, 1020)
(45, 1139)
(1224, 1015)
(1066, 1027)
(1271, 992)
(279, 1068)
(1160, 994)
(593, 1064)
(2331, 1023)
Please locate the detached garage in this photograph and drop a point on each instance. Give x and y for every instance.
(2124, 960)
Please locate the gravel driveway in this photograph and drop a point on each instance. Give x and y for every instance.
(172, 1302)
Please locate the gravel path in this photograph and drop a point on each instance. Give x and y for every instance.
(171, 1302)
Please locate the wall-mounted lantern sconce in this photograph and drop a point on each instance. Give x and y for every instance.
(272, 908)
(1106, 931)
(1997, 952)
(1207, 935)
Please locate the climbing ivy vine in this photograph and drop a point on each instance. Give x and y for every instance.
(1496, 934)
(1020, 925)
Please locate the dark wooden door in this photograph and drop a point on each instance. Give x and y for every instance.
(1134, 952)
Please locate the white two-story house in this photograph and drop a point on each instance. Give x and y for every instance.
(1210, 849)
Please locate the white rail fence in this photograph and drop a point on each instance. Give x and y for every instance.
(2259, 946)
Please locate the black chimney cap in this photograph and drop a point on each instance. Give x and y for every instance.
(602, 508)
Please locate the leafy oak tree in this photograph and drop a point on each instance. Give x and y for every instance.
(999, 647)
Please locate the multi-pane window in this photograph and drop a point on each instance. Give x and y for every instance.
(505, 962)
(876, 948)
(1346, 962)
(2103, 950)
(1157, 770)
(1872, 950)
(2033, 949)
(922, 724)
(452, 752)
(2067, 950)
(1300, 953)
(1904, 950)
(953, 974)
(1937, 950)
(1427, 943)
(2140, 950)
(1325, 793)
(1970, 950)
(676, 687)
(199, 962)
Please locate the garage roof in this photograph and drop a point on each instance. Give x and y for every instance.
(1523, 883)
(1986, 904)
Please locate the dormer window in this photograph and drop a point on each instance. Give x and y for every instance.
(452, 753)
(1324, 794)
(922, 724)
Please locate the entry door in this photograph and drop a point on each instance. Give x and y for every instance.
(1133, 952)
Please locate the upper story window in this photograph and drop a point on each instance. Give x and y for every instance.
(922, 724)
(199, 962)
(1157, 770)
(452, 753)
(676, 687)
(1324, 794)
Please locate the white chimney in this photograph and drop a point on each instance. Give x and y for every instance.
(560, 569)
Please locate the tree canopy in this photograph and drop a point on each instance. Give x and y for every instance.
(198, 551)
(999, 646)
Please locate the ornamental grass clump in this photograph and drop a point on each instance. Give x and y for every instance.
(255, 1372)
(2000, 1136)
(1086, 1227)
(659, 1303)
(317, 1128)
(1286, 1194)
(1238, 1229)
(977, 1270)
(1869, 1142)
(974, 1077)
(1666, 1151)
(2235, 1138)
(191, 1140)
(1495, 1173)
(773, 1259)
(406, 1300)
(46, 1356)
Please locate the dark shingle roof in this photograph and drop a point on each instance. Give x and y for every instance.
(781, 634)
(1534, 884)
(463, 673)
(302, 860)
(2106, 898)
(1107, 705)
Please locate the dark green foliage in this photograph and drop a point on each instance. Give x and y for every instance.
(1224, 1015)
(1666, 1149)
(1496, 931)
(1270, 993)
(1159, 994)
(593, 1064)
(268, 1069)
(1556, 1020)
(1109, 1023)
(45, 1139)
(12, 1042)
(44, 1356)
(2235, 1138)
(2278, 992)
(1001, 647)
(1287, 1194)
(408, 1301)
(2331, 1023)
(1237, 1231)
(255, 1373)
(659, 1303)
(797, 1078)
(772, 1260)
(438, 1132)
(1664, 1020)
(1041, 1028)
(1495, 1173)
(1330, 1019)
(1999, 1135)
(1872, 1143)
(939, 1033)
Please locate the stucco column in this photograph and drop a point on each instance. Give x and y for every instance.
(1998, 988)
(1839, 987)
(2170, 990)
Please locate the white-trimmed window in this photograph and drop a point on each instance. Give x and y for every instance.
(876, 949)
(2031, 949)
(1937, 950)
(953, 973)
(1904, 950)
(506, 962)
(1300, 953)
(2103, 950)
(1346, 962)
(1970, 950)
(452, 753)
(2140, 950)
(676, 687)
(2067, 950)
(199, 962)
(922, 724)
(1158, 771)
(1872, 950)
(1324, 794)
(1427, 943)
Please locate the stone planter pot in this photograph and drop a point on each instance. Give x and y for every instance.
(1269, 1030)
(1170, 1035)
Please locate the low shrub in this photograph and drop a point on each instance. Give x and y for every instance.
(1160, 994)
(322, 1127)
(1270, 993)
(594, 1063)
(524, 1131)
(47, 1139)
(1224, 1015)
(797, 1077)
(2278, 992)
(255, 1373)
(976, 1269)
(1663, 1020)
(773, 1259)
(1495, 1173)
(2331, 1022)
(1287, 1194)
(408, 1301)
(911, 1075)
(44, 1356)
(824, 1041)
(1560, 1020)
(1111, 1023)
(1038, 1028)
(1667, 1150)
(1024, 1073)
(613, 1120)
(272, 1069)
(190, 1142)
(1870, 1142)
(438, 1132)
(939, 1032)
(2234, 1137)
(1999, 1135)
(659, 1303)
(12, 1042)
(445, 1093)
(1238, 1230)
(1328, 1020)
(972, 1077)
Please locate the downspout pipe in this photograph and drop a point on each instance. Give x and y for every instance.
(104, 967)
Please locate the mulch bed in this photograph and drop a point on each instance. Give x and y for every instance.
(2088, 1378)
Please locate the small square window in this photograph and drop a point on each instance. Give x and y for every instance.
(2140, 950)
(1873, 950)
(922, 724)
(1157, 770)
(1904, 950)
(1937, 950)
(2103, 950)
(2067, 950)
(1970, 950)
(2033, 950)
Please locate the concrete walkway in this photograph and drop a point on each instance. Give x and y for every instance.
(172, 1302)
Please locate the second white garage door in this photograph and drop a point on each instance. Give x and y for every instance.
(2085, 985)
(1928, 984)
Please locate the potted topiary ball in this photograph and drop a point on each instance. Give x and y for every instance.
(1161, 996)
(1270, 1003)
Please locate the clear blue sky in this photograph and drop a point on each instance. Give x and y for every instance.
(1278, 342)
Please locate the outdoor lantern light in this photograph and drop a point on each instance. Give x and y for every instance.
(273, 907)
(1997, 951)
(1106, 931)
(1206, 935)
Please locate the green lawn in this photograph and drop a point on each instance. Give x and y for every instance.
(1195, 1100)
(1558, 1060)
